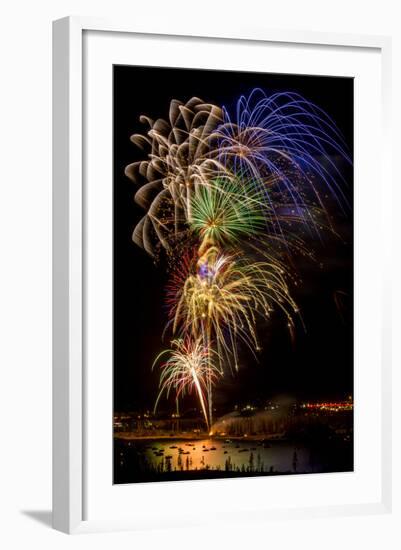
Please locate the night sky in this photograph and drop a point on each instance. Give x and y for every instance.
(319, 365)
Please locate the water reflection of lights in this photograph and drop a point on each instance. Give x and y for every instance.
(212, 454)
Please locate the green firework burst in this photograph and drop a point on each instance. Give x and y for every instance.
(226, 210)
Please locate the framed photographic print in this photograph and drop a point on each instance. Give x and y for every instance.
(218, 318)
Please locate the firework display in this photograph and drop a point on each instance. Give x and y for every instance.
(179, 159)
(229, 197)
(190, 365)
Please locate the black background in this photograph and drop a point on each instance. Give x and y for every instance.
(320, 363)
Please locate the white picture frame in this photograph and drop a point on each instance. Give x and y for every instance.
(70, 257)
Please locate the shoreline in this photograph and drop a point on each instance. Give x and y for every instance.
(131, 436)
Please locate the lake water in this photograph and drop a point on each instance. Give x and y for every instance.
(162, 456)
